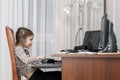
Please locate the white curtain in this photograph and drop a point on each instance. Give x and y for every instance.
(39, 16)
(73, 18)
(54, 28)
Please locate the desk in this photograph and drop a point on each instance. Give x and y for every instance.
(40, 65)
(78, 66)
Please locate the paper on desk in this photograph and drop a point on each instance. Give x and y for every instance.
(87, 52)
(81, 52)
(61, 52)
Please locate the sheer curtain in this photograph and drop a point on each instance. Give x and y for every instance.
(39, 16)
(54, 27)
(73, 18)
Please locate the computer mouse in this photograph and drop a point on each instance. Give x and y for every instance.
(48, 60)
(62, 51)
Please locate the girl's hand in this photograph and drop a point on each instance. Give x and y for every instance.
(40, 57)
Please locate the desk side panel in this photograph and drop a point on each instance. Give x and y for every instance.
(90, 68)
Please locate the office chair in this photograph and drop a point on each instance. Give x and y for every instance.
(11, 44)
(90, 42)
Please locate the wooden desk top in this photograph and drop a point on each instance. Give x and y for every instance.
(88, 55)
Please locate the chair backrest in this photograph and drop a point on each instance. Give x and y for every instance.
(11, 44)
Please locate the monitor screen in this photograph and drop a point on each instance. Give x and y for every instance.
(104, 32)
(108, 41)
(112, 42)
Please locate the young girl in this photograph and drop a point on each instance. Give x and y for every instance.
(24, 39)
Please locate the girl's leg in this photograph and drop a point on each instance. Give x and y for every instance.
(38, 75)
(53, 75)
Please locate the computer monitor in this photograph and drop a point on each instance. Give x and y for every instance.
(90, 42)
(104, 32)
(112, 42)
(108, 41)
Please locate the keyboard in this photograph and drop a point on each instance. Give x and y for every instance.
(74, 51)
(69, 51)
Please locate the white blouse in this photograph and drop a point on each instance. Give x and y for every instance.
(24, 61)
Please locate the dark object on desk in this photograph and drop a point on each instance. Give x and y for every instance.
(48, 60)
(112, 42)
(62, 51)
(108, 41)
(91, 41)
(104, 32)
(69, 51)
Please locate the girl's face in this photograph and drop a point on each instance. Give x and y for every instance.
(28, 41)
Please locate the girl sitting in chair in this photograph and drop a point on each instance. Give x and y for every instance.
(24, 39)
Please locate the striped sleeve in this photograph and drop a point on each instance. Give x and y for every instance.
(20, 53)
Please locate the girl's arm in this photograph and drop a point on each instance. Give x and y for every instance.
(20, 53)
